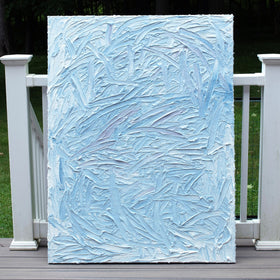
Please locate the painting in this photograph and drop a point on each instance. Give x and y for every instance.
(141, 139)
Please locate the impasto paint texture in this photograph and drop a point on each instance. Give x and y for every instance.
(141, 139)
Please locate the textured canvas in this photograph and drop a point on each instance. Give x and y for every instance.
(141, 139)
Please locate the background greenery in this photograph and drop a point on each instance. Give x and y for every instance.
(255, 32)
(23, 23)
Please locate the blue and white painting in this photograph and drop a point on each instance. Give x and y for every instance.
(141, 139)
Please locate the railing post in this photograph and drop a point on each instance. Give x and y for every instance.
(17, 94)
(269, 208)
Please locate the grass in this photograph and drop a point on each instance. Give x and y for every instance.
(5, 196)
(253, 157)
(6, 228)
(245, 62)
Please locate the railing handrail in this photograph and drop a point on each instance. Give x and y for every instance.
(37, 80)
(254, 79)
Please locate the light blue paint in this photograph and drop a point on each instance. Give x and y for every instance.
(141, 145)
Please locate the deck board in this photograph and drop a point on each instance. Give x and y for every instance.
(251, 264)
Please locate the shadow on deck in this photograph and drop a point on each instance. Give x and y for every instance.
(251, 264)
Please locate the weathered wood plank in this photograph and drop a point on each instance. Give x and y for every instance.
(187, 273)
(251, 264)
(41, 263)
(5, 242)
(6, 253)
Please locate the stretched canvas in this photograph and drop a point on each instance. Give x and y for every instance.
(140, 139)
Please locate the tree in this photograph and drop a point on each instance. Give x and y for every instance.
(4, 40)
(275, 13)
(162, 7)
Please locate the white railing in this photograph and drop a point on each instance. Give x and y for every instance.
(39, 176)
(28, 149)
(38, 168)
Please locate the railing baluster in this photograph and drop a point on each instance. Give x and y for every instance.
(45, 146)
(37, 147)
(34, 173)
(42, 183)
(244, 153)
(40, 177)
(37, 143)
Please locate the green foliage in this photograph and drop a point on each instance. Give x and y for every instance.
(38, 65)
(246, 51)
(6, 228)
(253, 157)
(27, 19)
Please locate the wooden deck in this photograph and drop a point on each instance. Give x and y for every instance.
(250, 264)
